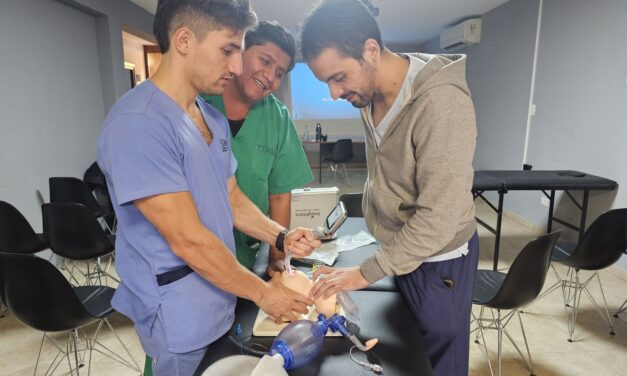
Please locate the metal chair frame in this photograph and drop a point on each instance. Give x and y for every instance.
(78, 344)
(572, 287)
(499, 323)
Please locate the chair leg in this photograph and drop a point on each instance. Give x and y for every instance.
(573, 300)
(78, 365)
(606, 317)
(41, 346)
(333, 168)
(91, 350)
(64, 352)
(132, 364)
(348, 180)
(499, 323)
(621, 309)
(68, 349)
(70, 269)
(522, 329)
(570, 284)
(500, 341)
(479, 332)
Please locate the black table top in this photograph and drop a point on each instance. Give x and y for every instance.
(345, 259)
(488, 180)
(383, 315)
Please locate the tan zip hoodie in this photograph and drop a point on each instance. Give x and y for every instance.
(417, 198)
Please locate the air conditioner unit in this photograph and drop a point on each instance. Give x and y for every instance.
(461, 35)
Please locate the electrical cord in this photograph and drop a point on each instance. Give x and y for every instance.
(368, 366)
(245, 348)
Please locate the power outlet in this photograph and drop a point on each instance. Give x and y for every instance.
(544, 201)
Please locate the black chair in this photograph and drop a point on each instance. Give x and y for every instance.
(69, 189)
(16, 236)
(97, 183)
(39, 296)
(342, 153)
(519, 287)
(623, 306)
(602, 245)
(352, 203)
(73, 232)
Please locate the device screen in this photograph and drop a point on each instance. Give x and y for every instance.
(334, 216)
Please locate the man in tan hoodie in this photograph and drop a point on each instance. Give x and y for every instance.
(420, 141)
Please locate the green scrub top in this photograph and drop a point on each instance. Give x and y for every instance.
(270, 160)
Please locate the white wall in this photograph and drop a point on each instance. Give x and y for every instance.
(59, 77)
(580, 97)
(498, 74)
(51, 99)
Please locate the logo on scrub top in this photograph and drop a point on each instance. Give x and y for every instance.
(223, 144)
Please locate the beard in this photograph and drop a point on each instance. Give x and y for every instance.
(363, 96)
(359, 102)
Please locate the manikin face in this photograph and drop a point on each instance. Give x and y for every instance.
(215, 60)
(264, 67)
(300, 282)
(347, 77)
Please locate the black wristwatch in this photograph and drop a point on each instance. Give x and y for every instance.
(280, 239)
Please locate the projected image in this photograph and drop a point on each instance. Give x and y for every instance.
(311, 99)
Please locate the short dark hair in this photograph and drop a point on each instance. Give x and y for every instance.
(341, 24)
(201, 16)
(273, 32)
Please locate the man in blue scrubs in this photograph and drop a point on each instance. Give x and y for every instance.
(167, 158)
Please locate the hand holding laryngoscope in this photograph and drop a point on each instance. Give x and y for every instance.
(331, 224)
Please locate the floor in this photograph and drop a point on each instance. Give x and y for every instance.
(594, 351)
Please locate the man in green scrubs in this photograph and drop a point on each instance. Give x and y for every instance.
(270, 156)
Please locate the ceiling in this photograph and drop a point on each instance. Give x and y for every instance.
(401, 21)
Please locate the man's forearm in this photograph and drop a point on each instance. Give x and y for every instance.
(250, 220)
(217, 264)
(176, 218)
(280, 211)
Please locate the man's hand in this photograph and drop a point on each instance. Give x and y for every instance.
(330, 281)
(300, 242)
(279, 302)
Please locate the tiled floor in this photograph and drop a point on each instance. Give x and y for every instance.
(594, 352)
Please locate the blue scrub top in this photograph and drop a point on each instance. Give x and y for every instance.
(149, 146)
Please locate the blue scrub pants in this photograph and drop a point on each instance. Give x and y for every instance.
(442, 308)
(164, 362)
